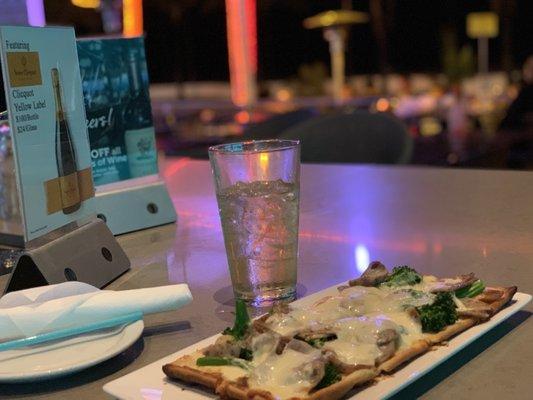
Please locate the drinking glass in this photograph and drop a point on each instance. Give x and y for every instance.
(257, 187)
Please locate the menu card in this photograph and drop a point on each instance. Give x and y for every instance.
(46, 113)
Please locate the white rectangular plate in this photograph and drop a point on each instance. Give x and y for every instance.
(150, 383)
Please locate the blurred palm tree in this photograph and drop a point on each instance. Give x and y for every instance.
(456, 63)
(378, 27)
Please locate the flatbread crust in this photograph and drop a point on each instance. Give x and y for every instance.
(233, 390)
(461, 325)
(184, 368)
(400, 357)
(507, 295)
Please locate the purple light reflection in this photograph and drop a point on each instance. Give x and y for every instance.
(35, 12)
(151, 394)
(362, 257)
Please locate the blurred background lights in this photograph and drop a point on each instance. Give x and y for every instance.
(86, 3)
(382, 105)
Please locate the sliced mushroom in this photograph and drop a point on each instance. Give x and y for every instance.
(474, 308)
(313, 334)
(225, 346)
(490, 295)
(278, 310)
(452, 284)
(282, 343)
(259, 326)
(386, 336)
(303, 371)
(300, 346)
(343, 367)
(387, 343)
(374, 274)
(313, 370)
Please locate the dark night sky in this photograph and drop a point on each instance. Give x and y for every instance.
(186, 39)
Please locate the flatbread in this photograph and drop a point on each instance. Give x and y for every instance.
(417, 348)
(184, 368)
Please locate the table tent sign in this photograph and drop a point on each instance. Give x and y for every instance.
(52, 162)
(129, 192)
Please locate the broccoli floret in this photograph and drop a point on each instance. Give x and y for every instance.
(402, 276)
(442, 312)
(331, 375)
(246, 354)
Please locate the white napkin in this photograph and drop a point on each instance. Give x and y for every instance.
(48, 308)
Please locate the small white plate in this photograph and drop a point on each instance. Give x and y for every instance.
(54, 359)
(150, 382)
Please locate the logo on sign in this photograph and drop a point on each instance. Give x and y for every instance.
(24, 68)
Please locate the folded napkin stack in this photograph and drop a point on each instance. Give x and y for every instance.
(46, 309)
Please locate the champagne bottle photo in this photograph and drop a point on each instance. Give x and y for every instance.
(139, 134)
(65, 154)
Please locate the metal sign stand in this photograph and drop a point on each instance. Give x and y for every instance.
(89, 254)
(133, 208)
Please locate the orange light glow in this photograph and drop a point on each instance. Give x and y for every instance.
(242, 50)
(175, 166)
(132, 17)
(263, 163)
(86, 3)
(242, 117)
(207, 115)
(283, 95)
(382, 105)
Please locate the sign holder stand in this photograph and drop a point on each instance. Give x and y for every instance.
(89, 254)
(59, 246)
(128, 209)
(130, 196)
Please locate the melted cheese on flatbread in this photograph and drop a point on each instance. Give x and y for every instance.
(356, 339)
(286, 375)
(356, 315)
